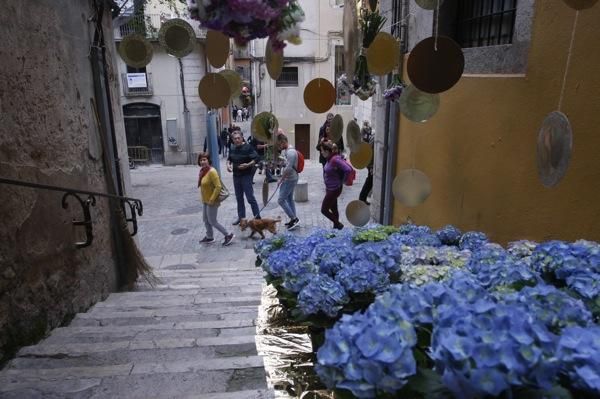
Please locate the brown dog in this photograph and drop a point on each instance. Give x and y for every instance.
(259, 225)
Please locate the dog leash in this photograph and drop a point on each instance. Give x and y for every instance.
(272, 195)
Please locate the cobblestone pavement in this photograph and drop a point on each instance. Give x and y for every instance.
(172, 220)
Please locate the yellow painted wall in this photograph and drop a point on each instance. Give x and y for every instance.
(479, 150)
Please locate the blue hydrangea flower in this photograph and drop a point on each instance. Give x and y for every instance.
(521, 249)
(486, 255)
(322, 294)
(297, 275)
(579, 356)
(281, 260)
(381, 253)
(504, 273)
(449, 235)
(363, 277)
(472, 240)
(332, 255)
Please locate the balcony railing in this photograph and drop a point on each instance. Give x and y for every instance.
(149, 25)
(133, 84)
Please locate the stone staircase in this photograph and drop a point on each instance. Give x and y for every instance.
(193, 336)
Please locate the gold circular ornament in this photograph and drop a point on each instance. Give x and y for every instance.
(336, 128)
(554, 146)
(264, 126)
(417, 105)
(411, 187)
(353, 136)
(135, 50)
(177, 37)
(234, 80)
(580, 4)
(362, 157)
(358, 213)
(434, 71)
(217, 48)
(274, 61)
(383, 55)
(429, 4)
(319, 95)
(351, 38)
(214, 90)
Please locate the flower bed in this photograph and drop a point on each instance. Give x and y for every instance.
(417, 313)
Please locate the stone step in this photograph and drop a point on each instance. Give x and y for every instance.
(185, 380)
(109, 319)
(255, 274)
(254, 394)
(152, 353)
(146, 335)
(132, 368)
(149, 311)
(182, 300)
(251, 287)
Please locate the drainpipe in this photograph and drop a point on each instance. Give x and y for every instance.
(186, 116)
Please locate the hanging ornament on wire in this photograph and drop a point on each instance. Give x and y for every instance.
(214, 90)
(136, 50)
(235, 81)
(383, 55)
(177, 37)
(217, 48)
(274, 60)
(319, 95)
(580, 4)
(429, 4)
(417, 105)
(353, 137)
(351, 38)
(336, 128)
(358, 213)
(411, 187)
(435, 64)
(362, 157)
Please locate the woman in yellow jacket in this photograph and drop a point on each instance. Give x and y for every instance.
(210, 187)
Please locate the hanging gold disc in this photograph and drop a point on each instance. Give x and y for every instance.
(234, 80)
(383, 55)
(135, 50)
(336, 128)
(214, 90)
(217, 48)
(580, 4)
(351, 38)
(554, 146)
(319, 95)
(434, 71)
(417, 105)
(274, 61)
(353, 136)
(362, 157)
(264, 126)
(358, 213)
(429, 4)
(411, 187)
(177, 37)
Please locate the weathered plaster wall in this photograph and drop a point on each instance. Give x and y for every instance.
(48, 134)
(479, 150)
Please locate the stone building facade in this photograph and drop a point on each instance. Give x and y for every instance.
(49, 134)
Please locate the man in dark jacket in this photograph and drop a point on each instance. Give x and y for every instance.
(242, 162)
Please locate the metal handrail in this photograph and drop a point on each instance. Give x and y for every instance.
(135, 205)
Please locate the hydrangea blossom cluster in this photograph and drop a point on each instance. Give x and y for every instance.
(579, 354)
(394, 92)
(449, 235)
(363, 89)
(245, 20)
(363, 277)
(322, 294)
(421, 274)
(381, 253)
(472, 240)
(367, 354)
(298, 275)
(332, 255)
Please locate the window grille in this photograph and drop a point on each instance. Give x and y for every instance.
(288, 77)
(485, 22)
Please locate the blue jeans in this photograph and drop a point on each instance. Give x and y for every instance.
(243, 185)
(286, 197)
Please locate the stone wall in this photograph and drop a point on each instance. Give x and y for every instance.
(49, 135)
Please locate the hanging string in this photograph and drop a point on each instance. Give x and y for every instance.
(383, 29)
(437, 25)
(414, 150)
(564, 80)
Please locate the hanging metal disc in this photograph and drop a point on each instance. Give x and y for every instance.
(429, 4)
(411, 187)
(580, 4)
(177, 37)
(135, 50)
(319, 95)
(217, 48)
(434, 71)
(234, 80)
(274, 61)
(417, 105)
(554, 146)
(358, 213)
(351, 38)
(362, 157)
(336, 128)
(214, 90)
(383, 55)
(264, 126)
(353, 136)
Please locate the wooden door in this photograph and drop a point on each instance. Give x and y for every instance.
(302, 143)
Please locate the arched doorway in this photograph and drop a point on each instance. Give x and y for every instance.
(143, 128)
